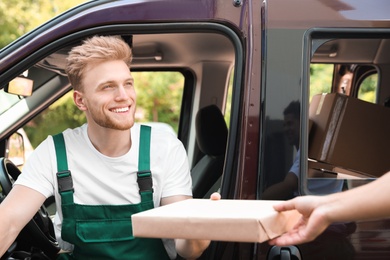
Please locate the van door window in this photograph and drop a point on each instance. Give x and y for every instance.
(367, 90)
(159, 97)
(321, 76)
(347, 123)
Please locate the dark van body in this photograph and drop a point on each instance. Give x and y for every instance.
(251, 59)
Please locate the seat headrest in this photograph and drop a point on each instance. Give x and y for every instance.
(211, 131)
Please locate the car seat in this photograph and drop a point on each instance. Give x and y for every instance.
(211, 137)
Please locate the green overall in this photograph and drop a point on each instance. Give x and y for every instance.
(105, 231)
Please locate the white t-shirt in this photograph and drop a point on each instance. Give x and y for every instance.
(102, 180)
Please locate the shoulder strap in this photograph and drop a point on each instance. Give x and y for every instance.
(64, 177)
(144, 175)
(59, 144)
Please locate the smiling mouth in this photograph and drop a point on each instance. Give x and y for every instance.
(120, 110)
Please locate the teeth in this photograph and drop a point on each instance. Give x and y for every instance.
(120, 110)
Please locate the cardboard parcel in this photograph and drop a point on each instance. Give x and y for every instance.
(351, 134)
(219, 220)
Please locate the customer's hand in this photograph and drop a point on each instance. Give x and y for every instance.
(313, 222)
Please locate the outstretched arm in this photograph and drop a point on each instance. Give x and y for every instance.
(367, 202)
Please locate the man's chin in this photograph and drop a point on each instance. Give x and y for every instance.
(121, 126)
(124, 127)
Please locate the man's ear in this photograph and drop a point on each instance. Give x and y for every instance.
(78, 98)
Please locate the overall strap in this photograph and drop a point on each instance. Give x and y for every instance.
(64, 177)
(144, 175)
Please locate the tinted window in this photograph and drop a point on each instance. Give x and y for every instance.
(368, 88)
(342, 127)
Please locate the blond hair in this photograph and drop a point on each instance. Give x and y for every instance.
(96, 49)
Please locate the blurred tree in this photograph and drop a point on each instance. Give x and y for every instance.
(18, 17)
(321, 76)
(59, 116)
(368, 88)
(159, 96)
(228, 105)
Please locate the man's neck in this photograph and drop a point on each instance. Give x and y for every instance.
(110, 142)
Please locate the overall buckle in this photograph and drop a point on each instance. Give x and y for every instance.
(145, 181)
(65, 182)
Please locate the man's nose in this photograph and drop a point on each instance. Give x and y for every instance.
(121, 93)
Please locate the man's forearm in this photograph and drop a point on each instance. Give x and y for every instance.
(374, 197)
(8, 234)
(16, 210)
(190, 248)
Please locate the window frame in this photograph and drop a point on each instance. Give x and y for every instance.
(313, 38)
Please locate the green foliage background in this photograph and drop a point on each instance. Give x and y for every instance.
(18, 17)
(159, 96)
(61, 115)
(320, 78)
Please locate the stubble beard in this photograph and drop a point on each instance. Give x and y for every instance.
(107, 122)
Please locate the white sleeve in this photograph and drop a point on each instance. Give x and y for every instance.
(170, 158)
(178, 175)
(295, 168)
(38, 171)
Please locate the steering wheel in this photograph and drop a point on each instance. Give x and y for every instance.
(39, 231)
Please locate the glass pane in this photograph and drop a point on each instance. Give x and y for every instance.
(342, 128)
(7, 100)
(159, 97)
(321, 76)
(368, 88)
(229, 99)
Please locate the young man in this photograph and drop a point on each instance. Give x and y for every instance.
(104, 171)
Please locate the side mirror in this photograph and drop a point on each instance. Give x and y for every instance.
(15, 149)
(20, 86)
